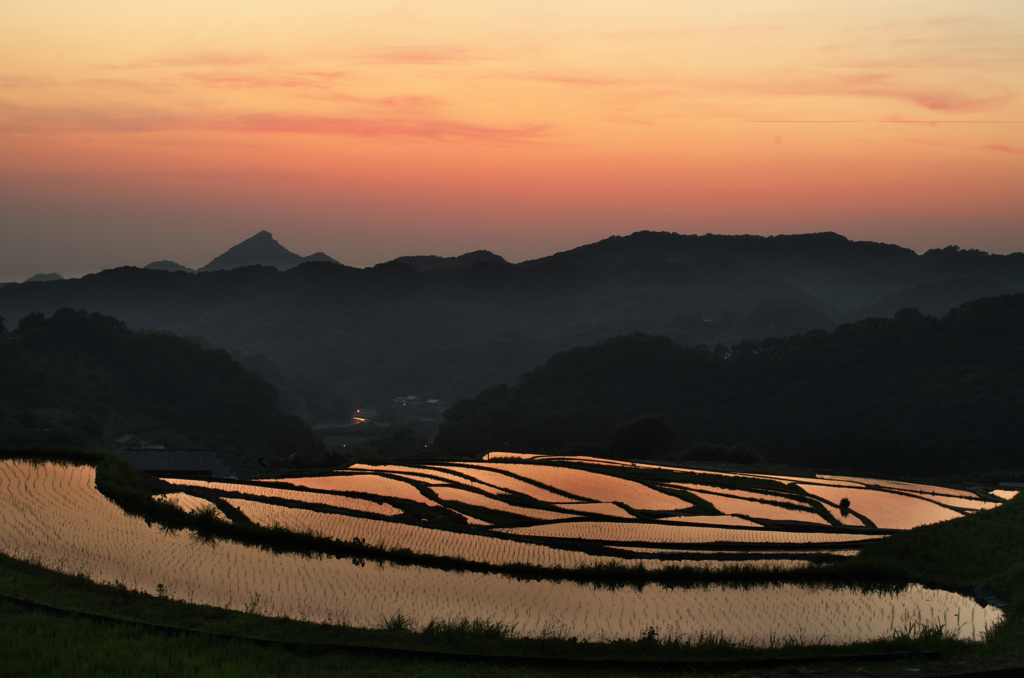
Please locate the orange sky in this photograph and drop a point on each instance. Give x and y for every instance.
(134, 131)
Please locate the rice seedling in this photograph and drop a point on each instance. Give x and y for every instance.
(446, 494)
(310, 497)
(419, 473)
(902, 486)
(758, 509)
(363, 483)
(55, 515)
(510, 483)
(596, 486)
(659, 533)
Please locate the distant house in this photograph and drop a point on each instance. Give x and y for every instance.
(435, 403)
(179, 461)
(129, 441)
(413, 400)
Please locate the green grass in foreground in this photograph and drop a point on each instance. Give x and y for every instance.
(983, 548)
(34, 644)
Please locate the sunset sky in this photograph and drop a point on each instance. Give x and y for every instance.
(137, 131)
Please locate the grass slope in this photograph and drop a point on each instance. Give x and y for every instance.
(983, 548)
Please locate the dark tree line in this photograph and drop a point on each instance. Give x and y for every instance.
(82, 379)
(911, 394)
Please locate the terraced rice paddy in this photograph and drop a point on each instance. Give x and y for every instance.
(380, 486)
(552, 502)
(900, 486)
(429, 475)
(55, 515)
(596, 486)
(887, 510)
(193, 504)
(449, 494)
(333, 500)
(655, 533)
(759, 509)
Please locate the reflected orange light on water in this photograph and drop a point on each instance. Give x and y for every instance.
(54, 514)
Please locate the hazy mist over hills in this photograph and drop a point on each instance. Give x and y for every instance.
(449, 327)
(911, 394)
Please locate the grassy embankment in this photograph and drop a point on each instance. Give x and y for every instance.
(982, 548)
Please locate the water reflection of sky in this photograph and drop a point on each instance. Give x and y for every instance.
(54, 514)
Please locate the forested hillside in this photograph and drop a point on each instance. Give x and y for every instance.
(79, 379)
(911, 394)
(449, 332)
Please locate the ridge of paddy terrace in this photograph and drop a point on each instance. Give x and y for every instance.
(598, 510)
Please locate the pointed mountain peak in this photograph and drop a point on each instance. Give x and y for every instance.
(259, 250)
(262, 236)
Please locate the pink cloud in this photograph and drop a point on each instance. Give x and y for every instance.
(435, 129)
(16, 119)
(1003, 149)
(877, 85)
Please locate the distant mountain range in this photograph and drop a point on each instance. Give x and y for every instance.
(448, 327)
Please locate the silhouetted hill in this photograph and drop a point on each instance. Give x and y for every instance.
(433, 263)
(932, 298)
(372, 334)
(80, 379)
(908, 395)
(166, 265)
(261, 250)
(45, 277)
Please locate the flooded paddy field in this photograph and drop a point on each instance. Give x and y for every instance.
(576, 515)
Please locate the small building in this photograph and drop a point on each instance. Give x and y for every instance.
(179, 461)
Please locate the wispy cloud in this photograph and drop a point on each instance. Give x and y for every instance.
(948, 99)
(577, 79)
(648, 34)
(204, 59)
(435, 129)
(25, 82)
(998, 148)
(302, 80)
(933, 123)
(421, 54)
(1001, 148)
(18, 119)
